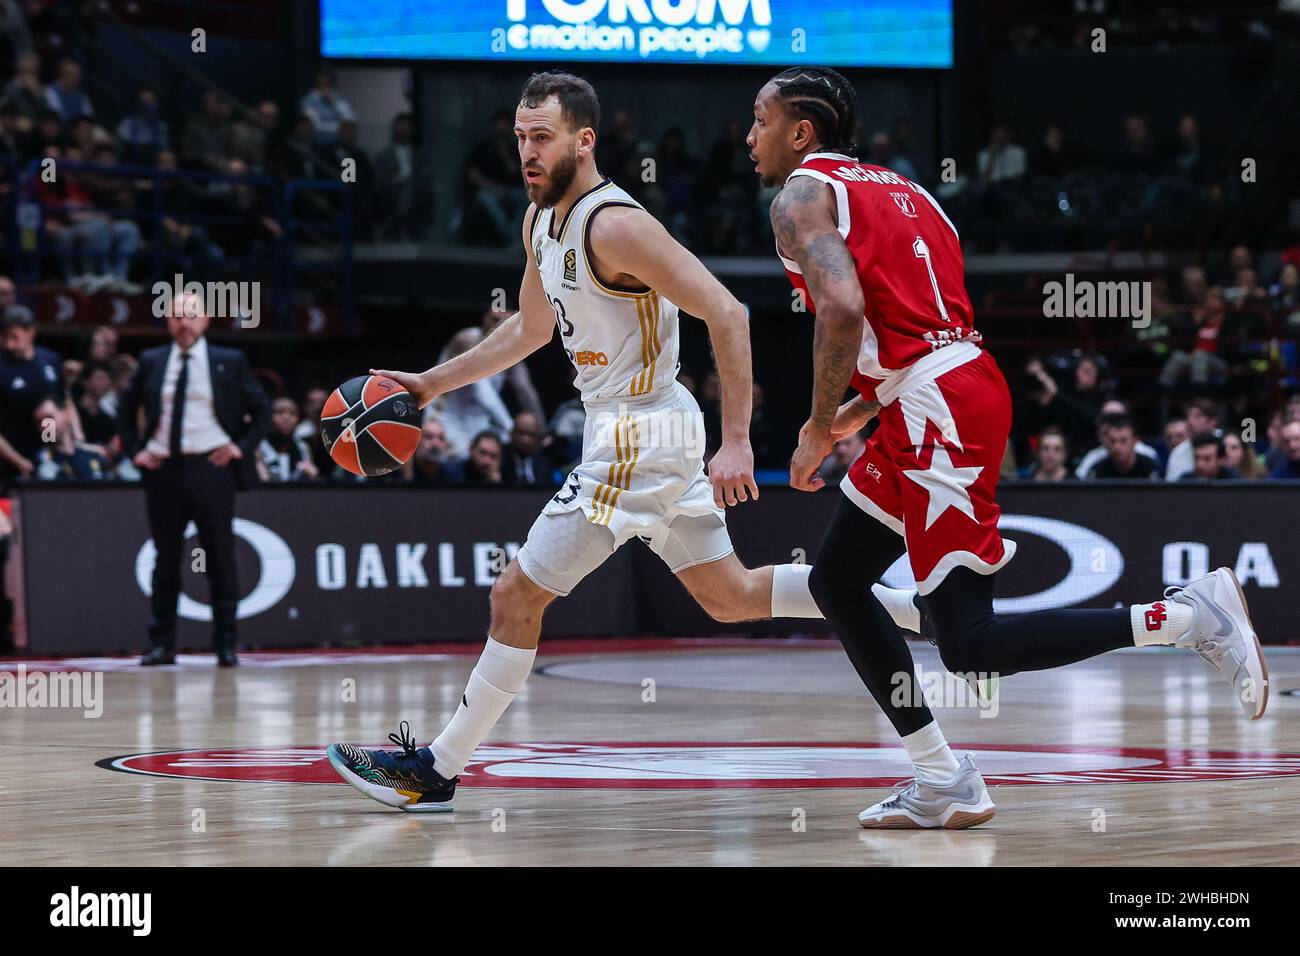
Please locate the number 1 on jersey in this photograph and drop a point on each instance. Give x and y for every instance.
(922, 251)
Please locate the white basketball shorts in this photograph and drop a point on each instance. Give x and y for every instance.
(641, 475)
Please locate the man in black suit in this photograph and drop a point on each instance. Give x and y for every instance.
(204, 415)
(523, 462)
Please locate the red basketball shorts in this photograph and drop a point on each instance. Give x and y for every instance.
(930, 470)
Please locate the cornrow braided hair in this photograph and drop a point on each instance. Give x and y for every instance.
(824, 98)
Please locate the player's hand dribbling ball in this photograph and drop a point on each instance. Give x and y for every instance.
(370, 425)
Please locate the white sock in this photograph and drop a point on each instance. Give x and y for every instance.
(1163, 622)
(900, 606)
(790, 594)
(495, 681)
(929, 753)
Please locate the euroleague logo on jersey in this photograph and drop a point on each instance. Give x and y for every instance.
(690, 766)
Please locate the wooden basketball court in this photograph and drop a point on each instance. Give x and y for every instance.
(672, 752)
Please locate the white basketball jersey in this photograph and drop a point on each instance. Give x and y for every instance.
(623, 343)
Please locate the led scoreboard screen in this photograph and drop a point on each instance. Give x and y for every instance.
(880, 33)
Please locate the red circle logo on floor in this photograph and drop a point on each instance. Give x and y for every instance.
(677, 765)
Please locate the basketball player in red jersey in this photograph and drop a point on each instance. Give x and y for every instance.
(881, 266)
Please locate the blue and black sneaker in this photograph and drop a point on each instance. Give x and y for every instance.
(397, 778)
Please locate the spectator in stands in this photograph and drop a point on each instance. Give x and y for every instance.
(618, 141)
(308, 430)
(15, 39)
(1175, 433)
(430, 463)
(62, 457)
(143, 134)
(1122, 459)
(1190, 160)
(72, 377)
(905, 149)
(1001, 160)
(1241, 457)
(247, 225)
(206, 144)
(1203, 364)
(299, 156)
(30, 387)
(643, 189)
(1289, 467)
(26, 91)
(523, 462)
(882, 152)
(843, 454)
(1202, 419)
(1055, 157)
(731, 190)
(1208, 460)
(282, 455)
(517, 379)
(469, 411)
(326, 108)
(1240, 258)
(123, 368)
(252, 139)
(1245, 291)
(98, 424)
(1194, 289)
(403, 199)
(566, 428)
(1050, 457)
(494, 177)
(49, 131)
(17, 137)
(1114, 410)
(346, 148)
(8, 294)
(1139, 153)
(65, 95)
(483, 464)
(80, 225)
(678, 176)
(186, 241)
(1074, 410)
(1284, 295)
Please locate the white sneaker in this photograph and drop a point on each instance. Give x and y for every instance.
(919, 805)
(1221, 633)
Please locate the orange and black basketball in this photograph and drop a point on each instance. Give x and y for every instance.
(370, 425)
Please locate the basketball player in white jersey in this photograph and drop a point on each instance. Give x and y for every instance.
(611, 278)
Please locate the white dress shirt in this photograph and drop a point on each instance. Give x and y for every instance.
(200, 431)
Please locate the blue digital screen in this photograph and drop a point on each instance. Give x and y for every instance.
(880, 33)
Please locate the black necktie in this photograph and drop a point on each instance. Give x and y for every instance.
(178, 405)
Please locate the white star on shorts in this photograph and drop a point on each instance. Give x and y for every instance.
(946, 485)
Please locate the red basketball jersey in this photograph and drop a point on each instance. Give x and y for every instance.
(909, 264)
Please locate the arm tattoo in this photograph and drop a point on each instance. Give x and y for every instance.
(825, 262)
(833, 365)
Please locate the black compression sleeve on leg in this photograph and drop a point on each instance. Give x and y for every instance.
(974, 640)
(855, 552)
